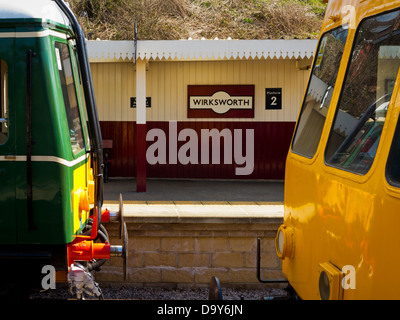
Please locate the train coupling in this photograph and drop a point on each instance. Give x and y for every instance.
(86, 250)
(80, 251)
(81, 282)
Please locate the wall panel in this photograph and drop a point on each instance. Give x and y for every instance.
(166, 84)
(269, 156)
(115, 84)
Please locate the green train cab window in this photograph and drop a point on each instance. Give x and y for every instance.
(319, 92)
(366, 93)
(69, 94)
(82, 92)
(3, 102)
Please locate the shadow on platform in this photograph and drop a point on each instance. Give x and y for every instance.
(195, 190)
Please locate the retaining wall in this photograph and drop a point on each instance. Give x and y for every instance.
(182, 252)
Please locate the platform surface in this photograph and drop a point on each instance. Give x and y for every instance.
(181, 200)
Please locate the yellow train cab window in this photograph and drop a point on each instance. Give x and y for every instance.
(3, 102)
(69, 95)
(393, 164)
(366, 93)
(319, 92)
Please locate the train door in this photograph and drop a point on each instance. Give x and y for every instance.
(7, 145)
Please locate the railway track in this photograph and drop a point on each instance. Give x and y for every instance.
(162, 293)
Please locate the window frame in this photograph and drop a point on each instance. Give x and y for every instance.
(390, 157)
(4, 96)
(302, 109)
(77, 96)
(76, 71)
(337, 169)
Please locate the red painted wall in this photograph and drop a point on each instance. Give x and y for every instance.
(271, 144)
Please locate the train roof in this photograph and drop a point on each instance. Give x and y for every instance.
(352, 12)
(46, 10)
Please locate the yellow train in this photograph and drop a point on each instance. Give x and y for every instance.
(341, 226)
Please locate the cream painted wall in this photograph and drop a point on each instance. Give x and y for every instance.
(167, 81)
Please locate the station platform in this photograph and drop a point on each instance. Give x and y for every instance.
(177, 200)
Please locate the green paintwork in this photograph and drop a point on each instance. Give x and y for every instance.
(52, 182)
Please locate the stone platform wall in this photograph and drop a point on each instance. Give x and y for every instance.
(188, 252)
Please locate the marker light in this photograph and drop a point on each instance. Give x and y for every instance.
(329, 282)
(284, 244)
(324, 286)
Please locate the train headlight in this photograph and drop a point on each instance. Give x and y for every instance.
(280, 241)
(329, 282)
(284, 244)
(83, 200)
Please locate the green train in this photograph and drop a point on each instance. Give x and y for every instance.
(51, 157)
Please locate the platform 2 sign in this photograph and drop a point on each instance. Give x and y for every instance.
(221, 101)
(273, 99)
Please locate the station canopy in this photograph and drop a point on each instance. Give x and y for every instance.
(203, 50)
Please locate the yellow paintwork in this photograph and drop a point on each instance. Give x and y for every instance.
(341, 217)
(82, 195)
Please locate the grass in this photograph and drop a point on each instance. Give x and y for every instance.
(181, 19)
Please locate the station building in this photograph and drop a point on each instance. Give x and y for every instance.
(215, 109)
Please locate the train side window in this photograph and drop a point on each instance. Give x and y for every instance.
(366, 93)
(3, 102)
(393, 164)
(319, 92)
(69, 95)
(82, 92)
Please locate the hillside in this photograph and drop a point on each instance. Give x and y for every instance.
(181, 19)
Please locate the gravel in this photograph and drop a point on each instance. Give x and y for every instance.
(158, 293)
